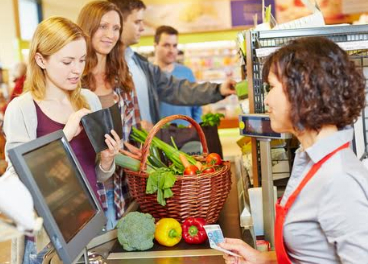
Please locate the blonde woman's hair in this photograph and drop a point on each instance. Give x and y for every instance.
(50, 36)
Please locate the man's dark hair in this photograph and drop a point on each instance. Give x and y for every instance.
(164, 30)
(323, 85)
(127, 6)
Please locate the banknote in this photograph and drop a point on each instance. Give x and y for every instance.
(215, 236)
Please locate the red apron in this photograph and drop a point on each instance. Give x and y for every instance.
(281, 211)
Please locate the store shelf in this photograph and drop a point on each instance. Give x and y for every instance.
(214, 62)
(209, 61)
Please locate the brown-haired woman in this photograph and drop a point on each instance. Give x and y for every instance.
(316, 93)
(107, 75)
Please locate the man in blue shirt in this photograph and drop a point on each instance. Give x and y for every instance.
(166, 52)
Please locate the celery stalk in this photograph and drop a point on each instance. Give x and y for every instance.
(171, 152)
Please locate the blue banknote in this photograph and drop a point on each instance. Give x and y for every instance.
(215, 236)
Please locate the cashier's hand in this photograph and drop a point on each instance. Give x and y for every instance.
(108, 155)
(228, 87)
(73, 127)
(248, 254)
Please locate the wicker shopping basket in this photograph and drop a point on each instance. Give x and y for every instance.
(201, 195)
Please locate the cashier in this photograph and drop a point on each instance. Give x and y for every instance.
(316, 93)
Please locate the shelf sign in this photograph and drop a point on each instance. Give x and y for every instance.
(242, 11)
(347, 46)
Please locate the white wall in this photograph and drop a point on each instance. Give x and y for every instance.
(69, 9)
(8, 38)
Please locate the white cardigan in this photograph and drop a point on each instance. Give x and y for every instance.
(20, 126)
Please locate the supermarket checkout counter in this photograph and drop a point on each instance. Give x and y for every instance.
(111, 252)
(185, 253)
(64, 193)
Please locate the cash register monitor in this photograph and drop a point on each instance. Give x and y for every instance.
(259, 126)
(61, 193)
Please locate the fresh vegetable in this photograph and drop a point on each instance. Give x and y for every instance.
(191, 170)
(133, 149)
(136, 231)
(173, 143)
(184, 160)
(161, 180)
(199, 165)
(168, 232)
(213, 159)
(129, 154)
(127, 162)
(208, 170)
(171, 152)
(193, 230)
(211, 119)
(155, 162)
(155, 152)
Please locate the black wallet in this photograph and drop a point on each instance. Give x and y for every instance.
(101, 122)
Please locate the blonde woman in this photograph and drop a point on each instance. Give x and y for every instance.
(54, 100)
(107, 75)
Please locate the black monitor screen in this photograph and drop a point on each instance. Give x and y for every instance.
(62, 188)
(61, 193)
(258, 126)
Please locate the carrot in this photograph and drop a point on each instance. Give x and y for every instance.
(133, 149)
(199, 165)
(184, 160)
(129, 154)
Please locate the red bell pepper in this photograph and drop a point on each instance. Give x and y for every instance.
(193, 230)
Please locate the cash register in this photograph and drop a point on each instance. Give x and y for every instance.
(259, 127)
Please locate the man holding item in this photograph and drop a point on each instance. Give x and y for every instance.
(166, 52)
(151, 83)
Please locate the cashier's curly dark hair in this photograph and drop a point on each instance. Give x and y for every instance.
(323, 86)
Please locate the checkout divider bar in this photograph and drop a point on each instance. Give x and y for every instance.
(164, 254)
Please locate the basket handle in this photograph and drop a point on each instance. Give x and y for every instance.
(157, 127)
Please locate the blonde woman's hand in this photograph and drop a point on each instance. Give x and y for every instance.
(72, 127)
(108, 155)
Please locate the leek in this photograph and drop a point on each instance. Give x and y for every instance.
(172, 153)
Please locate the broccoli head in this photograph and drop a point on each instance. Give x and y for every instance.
(136, 231)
